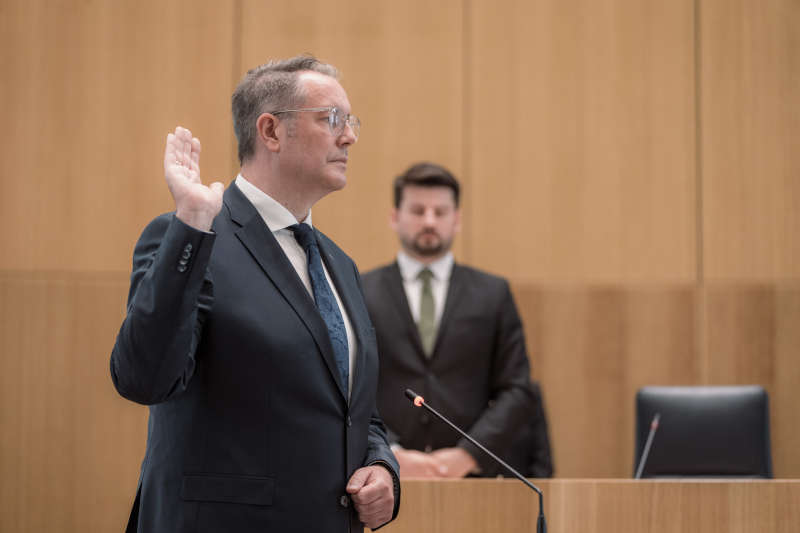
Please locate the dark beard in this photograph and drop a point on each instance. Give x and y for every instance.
(421, 250)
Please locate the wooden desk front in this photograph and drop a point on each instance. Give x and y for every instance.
(600, 506)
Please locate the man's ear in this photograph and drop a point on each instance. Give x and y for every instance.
(267, 126)
(393, 219)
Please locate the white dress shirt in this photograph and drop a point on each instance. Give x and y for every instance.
(278, 219)
(410, 269)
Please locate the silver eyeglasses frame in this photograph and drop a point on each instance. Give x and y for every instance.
(336, 119)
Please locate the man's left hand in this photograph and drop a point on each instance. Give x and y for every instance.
(457, 461)
(372, 492)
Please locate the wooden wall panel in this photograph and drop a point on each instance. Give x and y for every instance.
(572, 126)
(71, 447)
(90, 91)
(753, 337)
(592, 348)
(740, 334)
(750, 89)
(401, 64)
(784, 391)
(582, 140)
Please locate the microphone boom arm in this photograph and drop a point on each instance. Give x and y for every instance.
(541, 526)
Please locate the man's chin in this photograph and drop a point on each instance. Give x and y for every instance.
(428, 251)
(337, 181)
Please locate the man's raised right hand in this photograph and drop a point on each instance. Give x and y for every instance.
(195, 203)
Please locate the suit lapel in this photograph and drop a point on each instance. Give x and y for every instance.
(259, 241)
(397, 296)
(455, 291)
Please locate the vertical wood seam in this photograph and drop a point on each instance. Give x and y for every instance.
(701, 321)
(466, 135)
(236, 68)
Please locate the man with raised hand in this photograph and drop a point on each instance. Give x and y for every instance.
(247, 333)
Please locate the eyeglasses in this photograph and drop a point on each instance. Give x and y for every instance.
(336, 119)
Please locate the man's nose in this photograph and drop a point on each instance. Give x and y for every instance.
(429, 217)
(348, 136)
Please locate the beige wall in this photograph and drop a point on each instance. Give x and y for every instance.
(631, 166)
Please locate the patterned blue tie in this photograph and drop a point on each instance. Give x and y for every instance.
(326, 301)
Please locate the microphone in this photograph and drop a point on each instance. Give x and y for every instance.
(419, 401)
(647, 444)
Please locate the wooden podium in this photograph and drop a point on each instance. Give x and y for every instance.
(599, 506)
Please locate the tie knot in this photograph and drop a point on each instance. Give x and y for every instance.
(425, 275)
(304, 235)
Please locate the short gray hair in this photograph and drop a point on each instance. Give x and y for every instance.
(270, 87)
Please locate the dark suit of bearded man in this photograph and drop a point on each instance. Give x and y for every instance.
(475, 367)
(253, 427)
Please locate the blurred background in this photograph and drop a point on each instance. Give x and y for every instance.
(632, 166)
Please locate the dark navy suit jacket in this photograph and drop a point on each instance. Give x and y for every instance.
(250, 427)
(478, 374)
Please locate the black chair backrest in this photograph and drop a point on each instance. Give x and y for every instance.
(718, 431)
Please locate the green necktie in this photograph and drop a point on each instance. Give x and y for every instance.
(427, 313)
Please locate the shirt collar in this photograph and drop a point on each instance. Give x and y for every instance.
(410, 267)
(276, 216)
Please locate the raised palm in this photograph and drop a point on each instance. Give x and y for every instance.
(195, 204)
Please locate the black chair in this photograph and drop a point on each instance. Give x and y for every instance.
(704, 431)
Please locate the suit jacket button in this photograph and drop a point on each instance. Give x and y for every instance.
(349, 422)
(181, 268)
(188, 247)
(186, 254)
(344, 501)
